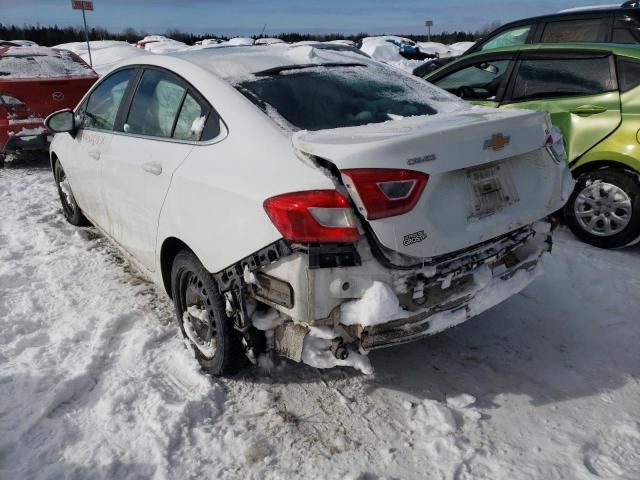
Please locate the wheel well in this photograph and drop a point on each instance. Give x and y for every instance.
(597, 165)
(170, 248)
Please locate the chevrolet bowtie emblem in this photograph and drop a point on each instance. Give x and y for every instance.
(496, 142)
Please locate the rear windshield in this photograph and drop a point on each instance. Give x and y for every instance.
(26, 62)
(319, 98)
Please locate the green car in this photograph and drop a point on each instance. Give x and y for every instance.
(592, 93)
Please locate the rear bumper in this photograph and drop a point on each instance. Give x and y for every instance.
(429, 300)
(27, 142)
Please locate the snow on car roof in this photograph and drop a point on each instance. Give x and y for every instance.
(232, 63)
(40, 62)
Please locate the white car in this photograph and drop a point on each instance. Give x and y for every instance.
(308, 201)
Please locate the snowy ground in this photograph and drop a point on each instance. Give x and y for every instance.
(95, 383)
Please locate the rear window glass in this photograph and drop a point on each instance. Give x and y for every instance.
(626, 29)
(319, 98)
(590, 30)
(628, 74)
(510, 38)
(562, 77)
(28, 62)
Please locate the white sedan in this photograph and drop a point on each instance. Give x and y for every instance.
(308, 201)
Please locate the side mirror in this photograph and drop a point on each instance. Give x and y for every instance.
(61, 121)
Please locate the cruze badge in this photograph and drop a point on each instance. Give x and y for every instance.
(57, 96)
(426, 158)
(497, 142)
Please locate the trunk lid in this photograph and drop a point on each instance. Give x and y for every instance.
(489, 174)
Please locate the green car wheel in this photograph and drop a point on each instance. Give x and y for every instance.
(604, 209)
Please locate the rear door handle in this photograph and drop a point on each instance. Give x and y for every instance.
(586, 110)
(153, 168)
(95, 154)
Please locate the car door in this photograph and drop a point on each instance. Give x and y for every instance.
(95, 119)
(480, 80)
(164, 121)
(578, 90)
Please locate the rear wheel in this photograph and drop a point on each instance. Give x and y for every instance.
(604, 209)
(200, 313)
(70, 208)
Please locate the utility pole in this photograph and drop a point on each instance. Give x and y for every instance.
(428, 24)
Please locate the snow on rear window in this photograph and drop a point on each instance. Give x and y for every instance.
(26, 62)
(326, 97)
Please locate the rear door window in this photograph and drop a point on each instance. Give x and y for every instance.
(155, 104)
(102, 106)
(584, 30)
(626, 29)
(559, 77)
(628, 74)
(509, 38)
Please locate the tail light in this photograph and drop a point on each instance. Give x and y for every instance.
(316, 216)
(386, 192)
(555, 145)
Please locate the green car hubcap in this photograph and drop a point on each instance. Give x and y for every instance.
(603, 209)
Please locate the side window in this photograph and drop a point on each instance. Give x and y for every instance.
(563, 77)
(476, 82)
(100, 110)
(587, 30)
(626, 29)
(191, 120)
(155, 104)
(516, 36)
(628, 74)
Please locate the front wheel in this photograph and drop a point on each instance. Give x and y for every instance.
(201, 316)
(70, 208)
(604, 209)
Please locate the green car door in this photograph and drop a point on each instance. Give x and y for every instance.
(578, 90)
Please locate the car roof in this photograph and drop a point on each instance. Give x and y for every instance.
(587, 12)
(626, 50)
(235, 62)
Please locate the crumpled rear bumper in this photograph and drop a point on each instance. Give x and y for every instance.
(468, 296)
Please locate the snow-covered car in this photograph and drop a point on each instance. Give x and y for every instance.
(35, 82)
(307, 201)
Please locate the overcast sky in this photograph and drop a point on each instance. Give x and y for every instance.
(246, 17)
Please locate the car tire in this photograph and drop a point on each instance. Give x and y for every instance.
(604, 209)
(216, 344)
(70, 207)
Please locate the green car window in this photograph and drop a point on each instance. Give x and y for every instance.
(482, 78)
(628, 74)
(515, 36)
(543, 78)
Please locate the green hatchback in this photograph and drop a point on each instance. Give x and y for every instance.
(592, 93)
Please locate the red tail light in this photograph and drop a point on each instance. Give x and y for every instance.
(387, 192)
(316, 216)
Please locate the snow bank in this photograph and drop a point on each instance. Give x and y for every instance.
(105, 54)
(382, 49)
(240, 41)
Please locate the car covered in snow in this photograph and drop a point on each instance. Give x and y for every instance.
(307, 201)
(35, 82)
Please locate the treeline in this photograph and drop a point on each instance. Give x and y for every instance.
(54, 35)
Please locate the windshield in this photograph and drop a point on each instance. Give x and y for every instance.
(319, 98)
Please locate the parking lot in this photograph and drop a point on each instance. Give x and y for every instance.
(97, 383)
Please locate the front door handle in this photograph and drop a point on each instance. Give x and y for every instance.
(153, 168)
(95, 154)
(587, 110)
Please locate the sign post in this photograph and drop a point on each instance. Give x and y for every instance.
(84, 5)
(428, 24)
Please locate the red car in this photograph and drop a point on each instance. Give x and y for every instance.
(35, 82)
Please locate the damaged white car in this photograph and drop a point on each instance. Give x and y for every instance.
(308, 201)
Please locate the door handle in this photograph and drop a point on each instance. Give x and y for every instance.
(95, 154)
(587, 110)
(153, 168)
